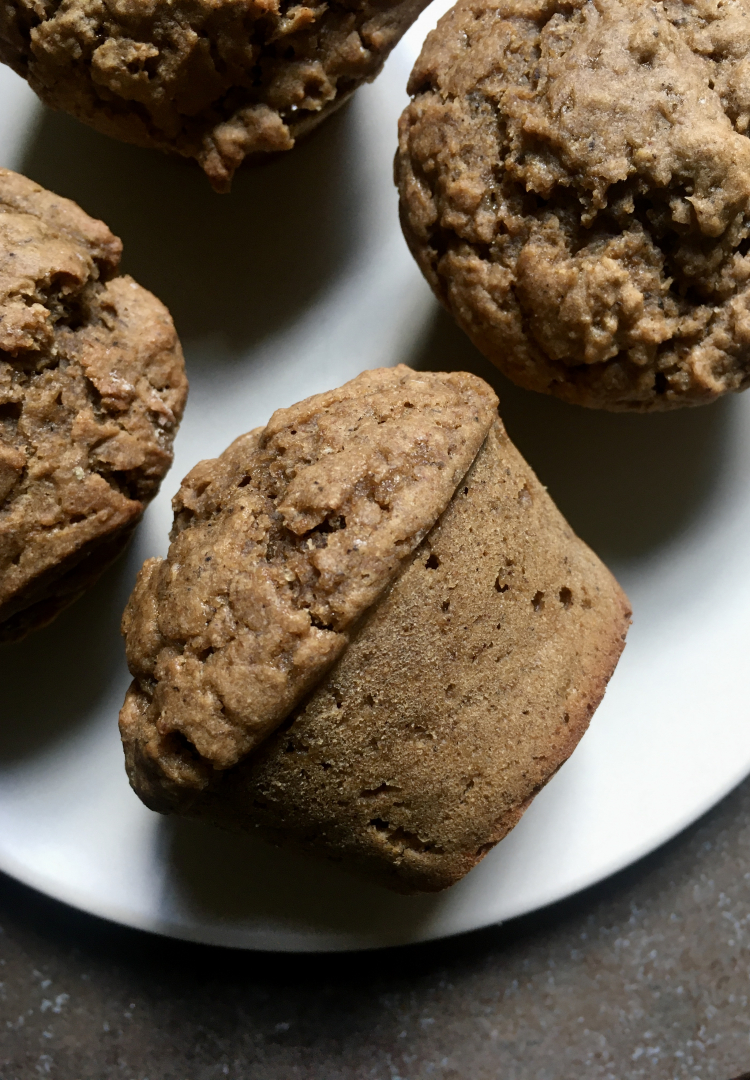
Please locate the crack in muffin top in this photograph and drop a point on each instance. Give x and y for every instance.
(575, 184)
(280, 545)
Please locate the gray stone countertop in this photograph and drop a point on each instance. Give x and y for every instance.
(645, 975)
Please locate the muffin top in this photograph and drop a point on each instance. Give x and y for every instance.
(281, 544)
(575, 183)
(461, 691)
(212, 80)
(92, 388)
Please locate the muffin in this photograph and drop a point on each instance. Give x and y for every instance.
(374, 637)
(575, 185)
(92, 388)
(217, 82)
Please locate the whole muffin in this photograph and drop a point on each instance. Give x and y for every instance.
(92, 388)
(374, 637)
(215, 81)
(575, 186)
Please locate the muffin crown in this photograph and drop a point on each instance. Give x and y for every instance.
(281, 544)
(575, 184)
(217, 80)
(92, 388)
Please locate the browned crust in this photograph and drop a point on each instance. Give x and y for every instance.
(574, 183)
(279, 546)
(580, 718)
(64, 585)
(422, 747)
(92, 388)
(218, 83)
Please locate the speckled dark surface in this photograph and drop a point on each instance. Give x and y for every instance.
(643, 976)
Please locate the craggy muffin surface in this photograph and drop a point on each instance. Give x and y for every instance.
(92, 388)
(279, 546)
(575, 185)
(216, 81)
(316, 661)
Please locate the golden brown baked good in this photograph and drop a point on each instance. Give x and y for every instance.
(92, 388)
(282, 543)
(215, 81)
(575, 185)
(453, 635)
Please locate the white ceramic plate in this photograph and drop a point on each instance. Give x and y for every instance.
(292, 285)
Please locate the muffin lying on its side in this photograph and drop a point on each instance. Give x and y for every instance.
(575, 186)
(214, 80)
(92, 388)
(374, 636)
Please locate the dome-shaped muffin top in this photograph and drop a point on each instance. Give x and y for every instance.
(317, 664)
(280, 545)
(92, 388)
(575, 185)
(216, 81)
